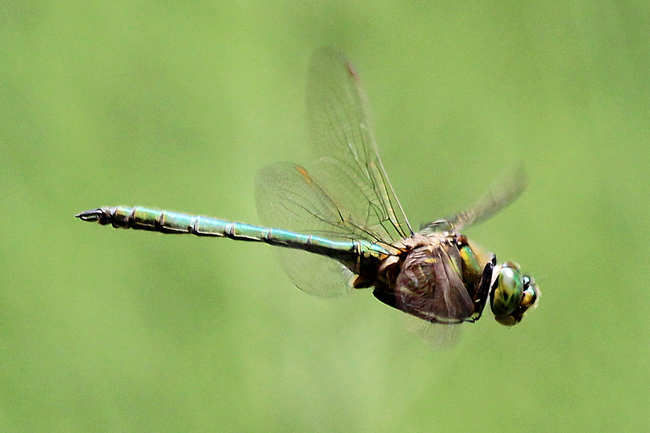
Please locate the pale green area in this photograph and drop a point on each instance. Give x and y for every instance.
(178, 104)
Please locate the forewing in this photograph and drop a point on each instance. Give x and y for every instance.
(345, 194)
(348, 162)
(499, 196)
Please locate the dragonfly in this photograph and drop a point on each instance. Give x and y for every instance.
(340, 226)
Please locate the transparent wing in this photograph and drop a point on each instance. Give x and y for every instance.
(289, 197)
(436, 335)
(343, 142)
(501, 194)
(345, 194)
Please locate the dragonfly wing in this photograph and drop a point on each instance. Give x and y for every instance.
(501, 194)
(290, 198)
(316, 274)
(345, 194)
(348, 162)
(435, 335)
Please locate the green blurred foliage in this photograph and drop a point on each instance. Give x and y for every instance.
(177, 105)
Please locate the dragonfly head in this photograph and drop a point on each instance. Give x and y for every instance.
(512, 294)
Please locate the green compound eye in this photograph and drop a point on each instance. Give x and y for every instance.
(513, 294)
(507, 293)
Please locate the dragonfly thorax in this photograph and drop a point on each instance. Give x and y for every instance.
(442, 277)
(437, 276)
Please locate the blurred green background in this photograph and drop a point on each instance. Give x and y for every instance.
(177, 105)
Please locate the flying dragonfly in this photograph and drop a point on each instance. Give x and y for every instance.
(341, 226)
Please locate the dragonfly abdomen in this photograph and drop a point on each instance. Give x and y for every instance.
(140, 218)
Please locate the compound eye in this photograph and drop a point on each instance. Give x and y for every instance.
(508, 290)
